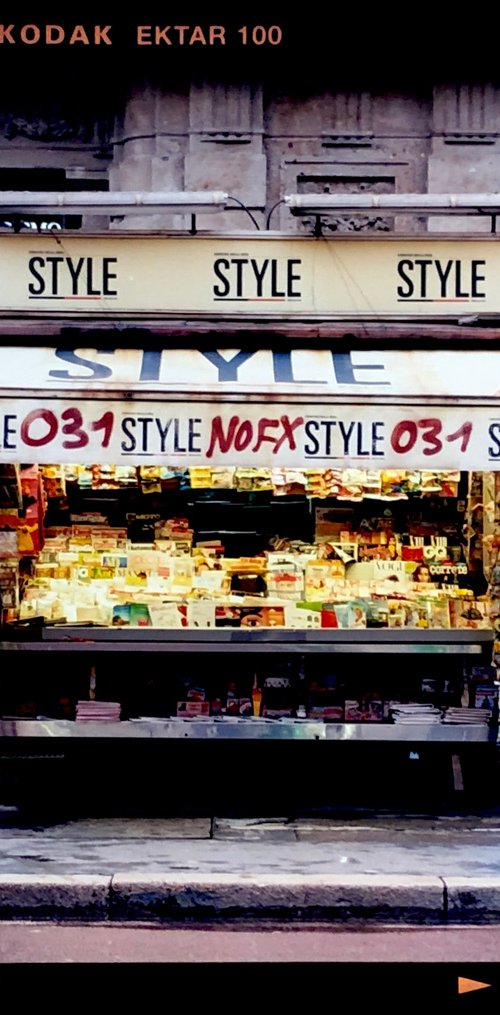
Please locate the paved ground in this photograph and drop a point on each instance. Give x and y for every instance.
(441, 846)
(39, 942)
(441, 870)
(394, 969)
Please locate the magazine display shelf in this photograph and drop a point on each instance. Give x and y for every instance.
(247, 729)
(87, 767)
(96, 640)
(474, 645)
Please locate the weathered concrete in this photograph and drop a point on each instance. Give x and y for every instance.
(142, 829)
(473, 899)
(298, 897)
(43, 896)
(254, 830)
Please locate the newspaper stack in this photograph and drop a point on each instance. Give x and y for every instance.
(469, 716)
(415, 712)
(98, 711)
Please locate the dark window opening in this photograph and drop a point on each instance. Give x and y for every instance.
(46, 180)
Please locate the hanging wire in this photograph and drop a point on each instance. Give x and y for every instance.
(240, 203)
(268, 220)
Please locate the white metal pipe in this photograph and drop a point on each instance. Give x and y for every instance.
(402, 204)
(111, 202)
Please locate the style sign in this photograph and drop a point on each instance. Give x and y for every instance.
(375, 373)
(257, 433)
(257, 276)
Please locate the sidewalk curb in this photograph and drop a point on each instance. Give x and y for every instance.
(470, 899)
(294, 897)
(34, 896)
(231, 897)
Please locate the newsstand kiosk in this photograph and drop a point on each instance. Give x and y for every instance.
(247, 558)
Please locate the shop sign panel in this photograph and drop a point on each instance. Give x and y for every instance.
(258, 277)
(258, 434)
(376, 374)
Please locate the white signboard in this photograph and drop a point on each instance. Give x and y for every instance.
(253, 276)
(258, 434)
(379, 374)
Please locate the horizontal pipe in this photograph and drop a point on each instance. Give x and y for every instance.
(111, 203)
(402, 204)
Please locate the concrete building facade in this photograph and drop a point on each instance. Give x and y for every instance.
(258, 139)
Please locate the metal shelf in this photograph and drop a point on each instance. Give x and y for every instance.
(260, 640)
(95, 641)
(247, 729)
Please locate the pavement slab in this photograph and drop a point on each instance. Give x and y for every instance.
(124, 829)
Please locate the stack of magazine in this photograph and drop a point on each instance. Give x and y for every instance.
(98, 711)
(414, 712)
(470, 716)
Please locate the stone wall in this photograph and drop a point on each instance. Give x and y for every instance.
(260, 141)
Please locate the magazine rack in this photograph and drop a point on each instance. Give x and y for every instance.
(93, 648)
